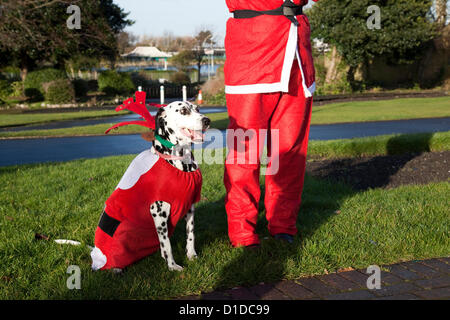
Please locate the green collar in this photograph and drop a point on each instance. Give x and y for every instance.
(164, 142)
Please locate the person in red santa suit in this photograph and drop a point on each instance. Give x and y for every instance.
(269, 83)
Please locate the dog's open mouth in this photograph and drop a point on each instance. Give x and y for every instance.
(194, 135)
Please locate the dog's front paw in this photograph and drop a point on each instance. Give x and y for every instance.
(191, 255)
(175, 267)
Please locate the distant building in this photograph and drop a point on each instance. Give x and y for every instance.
(149, 54)
(219, 53)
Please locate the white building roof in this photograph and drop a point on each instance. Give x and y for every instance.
(147, 52)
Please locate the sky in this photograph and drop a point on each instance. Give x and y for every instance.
(180, 17)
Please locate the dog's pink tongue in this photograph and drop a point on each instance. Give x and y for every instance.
(197, 135)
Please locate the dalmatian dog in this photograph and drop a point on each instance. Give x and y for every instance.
(159, 187)
(182, 124)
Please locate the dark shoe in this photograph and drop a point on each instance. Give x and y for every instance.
(284, 237)
(253, 247)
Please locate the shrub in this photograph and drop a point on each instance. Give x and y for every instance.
(92, 85)
(59, 91)
(112, 83)
(34, 80)
(139, 79)
(5, 89)
(17, 89)
(218, 99)
(10, 73)
(180, 77)
(80, 86)
(215, 87)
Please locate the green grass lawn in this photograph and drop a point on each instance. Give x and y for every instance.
(361, 111)
(381, 110)
(339, 228)
(16, 119)
(380, 145)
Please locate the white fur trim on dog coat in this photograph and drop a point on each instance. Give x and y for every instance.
(139, 166)
(98, 259)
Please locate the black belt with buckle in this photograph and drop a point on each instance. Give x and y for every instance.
(287, 9)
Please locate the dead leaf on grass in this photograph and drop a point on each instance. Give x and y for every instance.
(40, 236)
(345, 269)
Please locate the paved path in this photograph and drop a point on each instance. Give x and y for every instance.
(414, 280)
(21, 151)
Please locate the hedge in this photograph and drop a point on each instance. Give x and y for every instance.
(113, 82)
(33, 82)
(59, 91)
(5, 89)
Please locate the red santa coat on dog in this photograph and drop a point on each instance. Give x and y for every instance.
(126, 232)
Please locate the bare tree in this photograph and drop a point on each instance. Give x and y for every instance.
(125, 41)
(441, 12)
(202, 40)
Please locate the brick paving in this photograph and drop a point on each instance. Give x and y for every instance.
(413, 280)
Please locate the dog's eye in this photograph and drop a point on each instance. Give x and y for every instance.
(184, 111)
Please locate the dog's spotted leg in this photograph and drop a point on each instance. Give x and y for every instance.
(160, 211)
(190, 239)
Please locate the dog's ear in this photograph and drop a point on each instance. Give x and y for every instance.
(161, 112)
(148, 136)
(160, 118)
(161, 122)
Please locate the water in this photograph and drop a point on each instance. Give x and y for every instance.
(138, 68)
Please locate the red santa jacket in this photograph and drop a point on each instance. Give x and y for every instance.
(133, 236)
(260, 50)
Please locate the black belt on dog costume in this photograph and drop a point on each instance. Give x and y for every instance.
(108, 224)
(287, 9)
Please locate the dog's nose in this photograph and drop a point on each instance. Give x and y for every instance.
(206, 122)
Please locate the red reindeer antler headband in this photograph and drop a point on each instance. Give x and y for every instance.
(138, 107)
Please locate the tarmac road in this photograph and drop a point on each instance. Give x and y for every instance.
(22, 151)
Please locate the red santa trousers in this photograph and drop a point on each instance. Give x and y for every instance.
(288, 113)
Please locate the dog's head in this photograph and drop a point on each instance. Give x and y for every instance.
(181, 122)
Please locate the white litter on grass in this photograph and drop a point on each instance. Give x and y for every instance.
(72, 242)
(64, 241)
